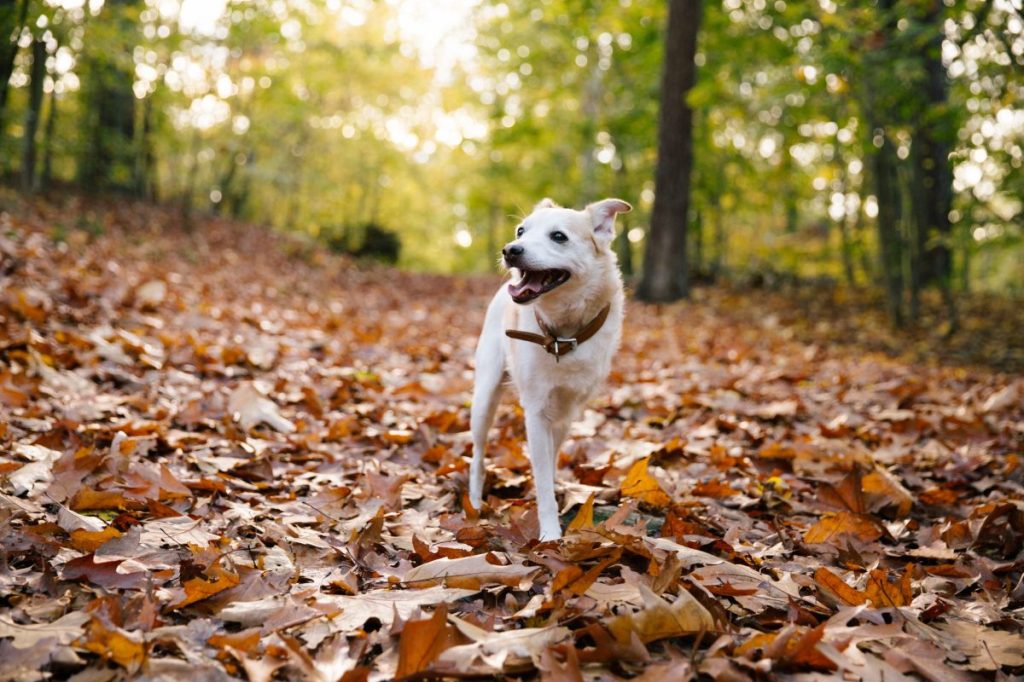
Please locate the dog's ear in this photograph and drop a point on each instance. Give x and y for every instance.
(546, 202)
(602, 214)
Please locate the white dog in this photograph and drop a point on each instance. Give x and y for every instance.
(557, 350)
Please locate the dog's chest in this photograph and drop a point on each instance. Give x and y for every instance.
(572, 378)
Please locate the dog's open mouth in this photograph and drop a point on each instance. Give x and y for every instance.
(536, 282)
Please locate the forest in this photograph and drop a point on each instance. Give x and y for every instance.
(873, 144)
(246, 249)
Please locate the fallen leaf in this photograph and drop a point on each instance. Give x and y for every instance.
(639, 484)
(423, 641)
(884, 592)
(470, 572)
(837, 589)
(213, 580)
(659, 619)
(127, 649)
(833, 526)
(72, 521)
(64, 630)
(249, 408)
(495, 649)
(151, 294)
(1003, 398)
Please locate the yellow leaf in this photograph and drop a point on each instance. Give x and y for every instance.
(114, 644)
(584, 519)
(90, 541)
(641, 485)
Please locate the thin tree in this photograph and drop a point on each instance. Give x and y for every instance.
(665, 276)
(29, 182)
(13, 17)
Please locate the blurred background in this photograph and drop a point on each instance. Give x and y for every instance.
(873, 144)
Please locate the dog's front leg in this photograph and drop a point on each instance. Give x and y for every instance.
(541, 442)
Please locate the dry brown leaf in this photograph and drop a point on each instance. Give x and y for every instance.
(423, 641)
(471, 572)
(64, 630)
(837, 589)
(659, 619)
(884, 592)
(834, 526)
(213, 580)
(250, 408)
(885, 491)
(151, 294)
(987, 649)
(384, 605)
(493, 650)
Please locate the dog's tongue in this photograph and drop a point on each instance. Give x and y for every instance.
(531, 281)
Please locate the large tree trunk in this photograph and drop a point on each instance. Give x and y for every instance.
(32, 116)
(665, 269)
(13, 16)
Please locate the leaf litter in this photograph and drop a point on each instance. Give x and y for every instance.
(229, 454)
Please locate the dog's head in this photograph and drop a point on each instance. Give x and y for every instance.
(561, 248)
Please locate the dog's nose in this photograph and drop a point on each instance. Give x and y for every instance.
(512, 252)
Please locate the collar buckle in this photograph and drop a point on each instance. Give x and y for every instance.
(572, 343)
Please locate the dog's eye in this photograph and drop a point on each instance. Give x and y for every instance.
(559, 237)
(519, 232)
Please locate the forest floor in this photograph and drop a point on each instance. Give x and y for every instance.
(226, 454)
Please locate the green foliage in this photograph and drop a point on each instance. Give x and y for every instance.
(306, 115)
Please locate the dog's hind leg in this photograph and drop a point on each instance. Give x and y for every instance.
(486, 395)
(487, 390)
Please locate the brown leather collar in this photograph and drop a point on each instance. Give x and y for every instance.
(558, 345)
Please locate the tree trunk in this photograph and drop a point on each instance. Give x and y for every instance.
(718, 234)
(13, 17)
(145, 158)
(665, 268)
(697, 237)
(32, 116)
(931, 137)
(46, 179)
(888, 223)
(623, 247)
